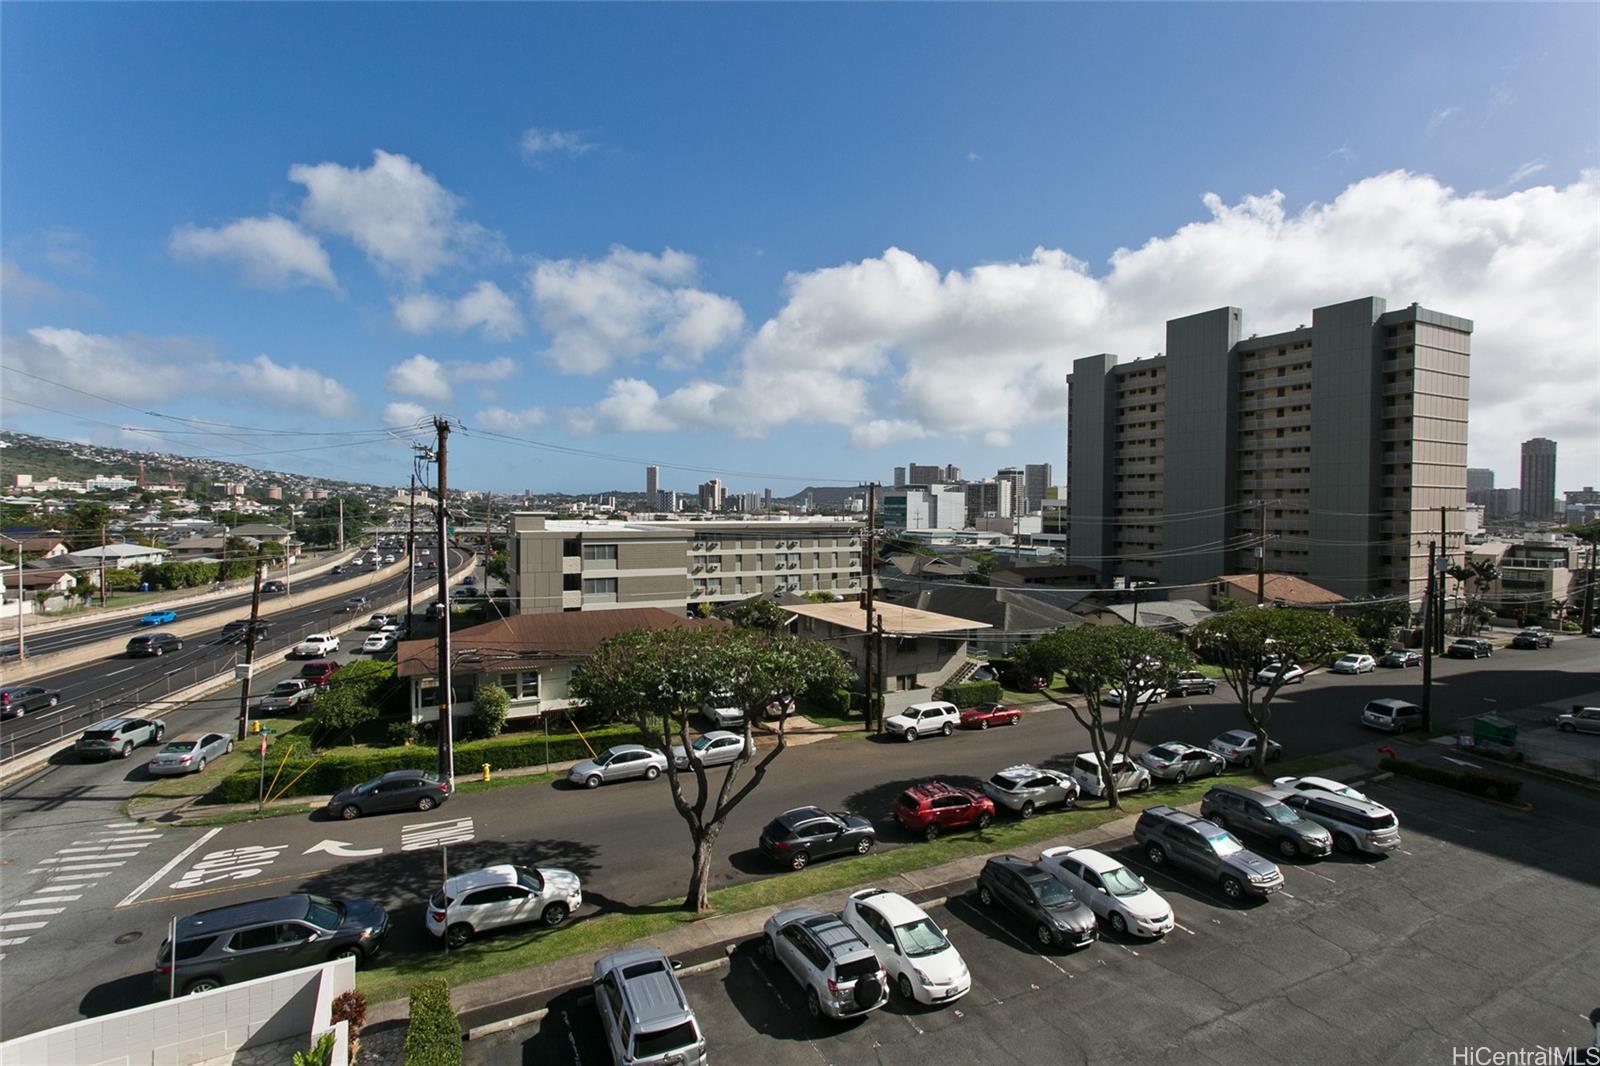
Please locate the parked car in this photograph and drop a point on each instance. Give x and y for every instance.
(238, 630)
(1401, 658)
(916, 953)
(319, 671)
(933, 807)
(723, 717)
(1175, 761)
(378, 642)
(287, 695)
(397, 790)
(838, 971)
(1190, 683)
(1128, 775)
(117, 737)
(153, 644)
(189, 754)
(1169, 835)
(159, 618)
(377, 621)
(274, 586)
(1317, 784)
(716, 748)
(985, 715)
(794, 838)
(621, 762)
(1391, 715)
(643, 1013)
(243, 941)
(315, 646)
(18, 700)
(923, 719)
(1533, 639)
(1238, 747)
(1579, 720)
(1355, 664)
(1027, 890)
(498, 896)
(1469, 648)
(1292, 675)
(1249, 813)
(1356, 825)
(1025, 789)
(1117, 895)
(1147, 696)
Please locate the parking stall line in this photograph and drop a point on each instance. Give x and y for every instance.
(1027, 947)
(11, 942)
(1307, 870)
(1179, 925)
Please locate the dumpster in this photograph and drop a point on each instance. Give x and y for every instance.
(1493, 735)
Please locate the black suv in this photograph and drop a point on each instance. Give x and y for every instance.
(1031, 892)
(266, 936)
(238, 630)
(153, 644)
(796, 837)
(1169, 835)
(1246, 811)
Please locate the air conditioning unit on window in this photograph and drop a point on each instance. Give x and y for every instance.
(699, 545)
(794, 544)
(713, 568)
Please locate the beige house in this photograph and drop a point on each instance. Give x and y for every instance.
(922, 650)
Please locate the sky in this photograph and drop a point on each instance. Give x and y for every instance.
(784, 245)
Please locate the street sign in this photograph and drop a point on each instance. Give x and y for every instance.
(243, 671)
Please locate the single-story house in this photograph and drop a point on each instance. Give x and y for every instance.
(1176, 616)
(922, 650)
(925, 567)
(262, 531)
(1064, 576)
(1282, 590)
(198, 548)
(126, 556)
(1016, 615)
(531, 656)
(56, 583)
(40, 547)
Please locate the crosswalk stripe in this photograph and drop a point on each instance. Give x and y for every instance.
(59, 888)
(46, 899)
(13, 941)
(86, 865)
(109, 849)
(33, 913)
(18, 927)
(80, 876)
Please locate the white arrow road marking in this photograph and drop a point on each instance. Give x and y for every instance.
(341, 849)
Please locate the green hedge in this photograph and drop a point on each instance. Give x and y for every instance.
(972, 693)
(433, 1036)
(834, 704)
(335, 772)
(1477, 782)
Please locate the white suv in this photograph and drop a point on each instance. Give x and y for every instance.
(839, 972)
(1129, 775)
(924, 966)
(316, 646)
(501, 895)
(921, 719)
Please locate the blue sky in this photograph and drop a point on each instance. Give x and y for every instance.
(790, 244)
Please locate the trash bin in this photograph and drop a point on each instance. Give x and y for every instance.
(1493, 729)
(144, 586)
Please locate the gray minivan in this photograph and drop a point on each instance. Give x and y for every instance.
(1391, 715)
(646, 1019)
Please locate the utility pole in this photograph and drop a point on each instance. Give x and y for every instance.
(1588, 587)
(22, 650)
(411, 555)
(341, 523)
(446, 725)
(102, 564)
(867, 573)
(882, 664)
(250, 644)
(1428, 611)
(1261, 553)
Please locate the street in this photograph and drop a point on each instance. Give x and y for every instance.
(62, 836)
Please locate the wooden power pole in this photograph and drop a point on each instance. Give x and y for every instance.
(869, 635)
(446, 724)
(250, 644)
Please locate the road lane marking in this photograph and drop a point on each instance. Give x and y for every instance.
(47, 899)
(230, 864)
(305, 875)
(175, 860)
(12, 942)
(33, 913)
(124, 670)
(433, 834)
(19, 927)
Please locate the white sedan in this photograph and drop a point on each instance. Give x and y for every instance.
(924, 966)
(1118, 896)
(717, 748)
(1355, 664)
(378, 642)
(1292, 675)
(1238, 746)
(1113, 697)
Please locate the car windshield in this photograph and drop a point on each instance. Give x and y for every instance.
(1223, 844)
(1239, 740)
(1004, 781)
(920, 938)
(647, 1045)
(530, 880)
(178, 747)
(367, 786)
(324, 913)
(1350, 659)
(286, 688)
(1052, 893)
(1120, 882)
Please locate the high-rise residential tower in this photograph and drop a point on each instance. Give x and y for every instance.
(652, 487)
(1539, 478)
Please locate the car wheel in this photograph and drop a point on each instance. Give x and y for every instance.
(983, 723)
(813, 1004)
(985, 897)
(904, 984)
(1026, 810)
(1016, 719)
(229, 749)
(931, 833)
(1344, 844)
(948, 729)
(554, 914)
(984, 819)
(161, 731)
(911, 734)
(425, 803)
(204, 984)
(1567, 727)
(127, 749)
(1287, 849)
(1119, 924)
(1044, 935)
(159, 652)
(1232, 888)
(1182, 776)
(592, 781)
(351, 952)
(652, 773)
(201, 768)
(864, 845)
(1156, 854)
(458, 934)
(1143, 785)
(349, 811)
(799, 861)
(52, 701)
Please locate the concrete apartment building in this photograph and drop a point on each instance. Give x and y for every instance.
(601, 565)
(927, 507)
(1539, 478)
(1036, 486)
(1352, 431)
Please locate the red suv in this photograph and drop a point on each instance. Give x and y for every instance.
(934, 807)
(319, 671)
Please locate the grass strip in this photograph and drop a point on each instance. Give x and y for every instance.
(392, 977)
(245, 753)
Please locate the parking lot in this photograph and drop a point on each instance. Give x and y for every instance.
(1479, 932)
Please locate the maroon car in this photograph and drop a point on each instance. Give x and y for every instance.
(929, 809)
(985, 715)
(319, 671)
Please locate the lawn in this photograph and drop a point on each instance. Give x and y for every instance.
(243, 751)
(392, 978)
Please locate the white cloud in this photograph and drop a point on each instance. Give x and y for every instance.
(419, 376)
(629, 304)
(272, 252)
(1441, 116)
(1525, 171)
(536, 143)
(501, 369)
(21, 288)
(882, 431)
(421, 312)
(486, 307)
(498, 418)
(406, 222)
(984, 351)
(403, 415)
(295, 387)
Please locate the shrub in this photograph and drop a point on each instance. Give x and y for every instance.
(404, 733)
(490, 707)
(321, 1052)
(1476, 782)
(353, 697)
(433, 1037)
(833, 703)
(350, 1007)
(122, 579)
(972, 692)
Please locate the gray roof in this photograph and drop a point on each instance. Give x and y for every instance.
(1010, 610)
(1162, 614)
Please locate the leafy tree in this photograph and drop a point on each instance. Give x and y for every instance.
(663, 675)
(817, 596)
(83, 586)
(121, 579)
(1245, 642)
(496, 567)
(491, 706)
(353, 697)
(982, 568)
(88, 517)
(239, 559)
(757, 614)
(1376, 620)
(1095, 659)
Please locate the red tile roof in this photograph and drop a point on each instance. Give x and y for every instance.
(526, 641)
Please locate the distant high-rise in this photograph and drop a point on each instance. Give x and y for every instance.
(899, 477)
(952, 473)
(1538, 478)
(1036, 484)
(712, 495)
(918, 474)
(766, 500)
(1480, 482)
(652, 487)
(1017, 478)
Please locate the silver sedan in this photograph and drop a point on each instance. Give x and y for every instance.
(620, 763)
(716, 748)
(189, 754)
(1177, 761)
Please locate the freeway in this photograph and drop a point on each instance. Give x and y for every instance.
(118, 685)
(625, 841)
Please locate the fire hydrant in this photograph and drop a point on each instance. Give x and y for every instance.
(486, 771)
(255, 726)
